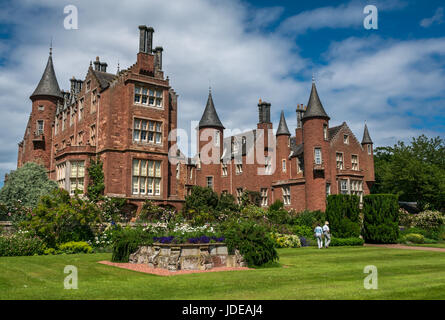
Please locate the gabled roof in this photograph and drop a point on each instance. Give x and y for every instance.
(334, 130)
(366, 137)
(295, 149)
(282, 126)
(314, 107)
(210, 117)
(104, 78)
(48, 85)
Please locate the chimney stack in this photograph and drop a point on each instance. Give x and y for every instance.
(103, 67)
(300, 112)
(145, 39)
(97, 64)
(158, 58)
(264, 111)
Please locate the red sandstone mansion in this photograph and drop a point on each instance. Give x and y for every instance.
(128, 120)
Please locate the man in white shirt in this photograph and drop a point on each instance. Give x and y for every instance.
(327, 234)
(318, 233)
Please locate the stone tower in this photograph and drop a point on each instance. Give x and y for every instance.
(315, 124)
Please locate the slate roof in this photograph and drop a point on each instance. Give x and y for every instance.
(295, 149)
(366, 137)
(104, 78)
(48, 85)
(282, 126)
(333, 131)
(314, 107)
(210, 117)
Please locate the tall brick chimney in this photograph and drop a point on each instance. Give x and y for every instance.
(145, 39)
(158, 58)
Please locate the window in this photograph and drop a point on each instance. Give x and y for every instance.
(325, 131)
(357, 188)
(224, 169)
(56, 127)
(147, 131)
(369, 149)
(239, 195)
(178, 170)
(345, 139)
(39, 127)
(88, 85)
(344, 187)
(286, 195)
(41, 108)
(146, 177)
(268, 165)
(216, 138)
(77, 175)
(210, 182)
(299, 165)
(61, 175)
(318, 156)
(93, 101)
(354, 162)
(264, 197)
(284, 165)
(191, 173)
(235, 145)
(80, 138)
(328, 189)
(149, 97)
(239, 168)
(71, 140)
(81, 108)
(339, 158)
(93, 135)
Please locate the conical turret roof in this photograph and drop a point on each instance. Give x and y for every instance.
(282, 126)
(366, 137)
(314, 107)
(210, 117)
(48, 85)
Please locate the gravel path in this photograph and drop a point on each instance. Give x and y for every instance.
(163, 272)
(400, 246)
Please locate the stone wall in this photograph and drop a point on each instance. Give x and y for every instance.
(175, 257)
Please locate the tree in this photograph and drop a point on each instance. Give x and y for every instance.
(414, 172)
(96, 186)
(201, 199)
(25, 186)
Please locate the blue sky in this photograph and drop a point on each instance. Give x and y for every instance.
(393, 77)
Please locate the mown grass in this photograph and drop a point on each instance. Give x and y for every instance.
(305, 273)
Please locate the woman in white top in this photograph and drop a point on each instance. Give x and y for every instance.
(318, 232)
(327, 234)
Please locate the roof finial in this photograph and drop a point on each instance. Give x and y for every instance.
(51, 47)
(118, 68)
(313, 77)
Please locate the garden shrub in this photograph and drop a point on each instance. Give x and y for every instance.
(127, 240)
(342, 212)
(200, 199)
(309, 218)
(111, 208)
(405, 218)
(381, 222)
(151, 212)
(251, 239)
(341, 242)
(96, 185)
(277, 214)
(286, 240)
(415, 238)
(227, 203)
(302, 231)
(75, 247)
(429, 220)
(21, 244)
(423, 232)
(59, 218)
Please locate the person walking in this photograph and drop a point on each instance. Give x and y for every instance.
(327, 234)
(318, 233)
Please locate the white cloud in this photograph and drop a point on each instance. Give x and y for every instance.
(222, 42)
(437, 18)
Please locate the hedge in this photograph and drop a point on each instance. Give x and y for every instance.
(381, 218)
(342, 212)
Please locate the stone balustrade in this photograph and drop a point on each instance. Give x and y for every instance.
(187, 256)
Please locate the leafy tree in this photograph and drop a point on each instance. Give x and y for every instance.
(25, 186)
(414, 172)
(96, 184)
(227, 202)
(201, 199)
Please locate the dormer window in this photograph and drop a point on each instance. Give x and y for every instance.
(346, 139)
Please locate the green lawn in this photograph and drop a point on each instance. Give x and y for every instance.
(431, 245)
(307, 273)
